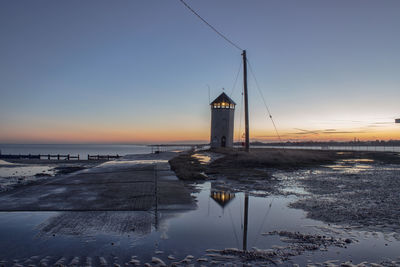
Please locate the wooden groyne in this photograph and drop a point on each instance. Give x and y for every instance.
(58, 157)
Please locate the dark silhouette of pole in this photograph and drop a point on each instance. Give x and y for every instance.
(156, 197)
(246, 102)
(246, 217)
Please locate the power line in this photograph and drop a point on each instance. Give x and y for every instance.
(240, 120)
(237, 76)
(263, 99)
(209, 25)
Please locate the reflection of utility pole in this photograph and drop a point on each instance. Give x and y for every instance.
(246, 216)
(156, 197)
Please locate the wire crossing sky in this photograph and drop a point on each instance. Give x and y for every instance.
(137, 71)
(212, 27)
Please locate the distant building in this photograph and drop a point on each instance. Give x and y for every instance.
(222, 118)
(397, 120)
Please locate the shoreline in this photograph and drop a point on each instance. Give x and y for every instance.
(292, 234)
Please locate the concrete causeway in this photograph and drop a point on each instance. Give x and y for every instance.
(128, 184)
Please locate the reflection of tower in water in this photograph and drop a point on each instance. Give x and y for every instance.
(223, 198)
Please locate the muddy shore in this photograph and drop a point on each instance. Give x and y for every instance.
(328, 186)
(355, 189)
(15, 173)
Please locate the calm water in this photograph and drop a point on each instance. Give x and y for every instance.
(78, 149)
(117, 236)
(349, 148)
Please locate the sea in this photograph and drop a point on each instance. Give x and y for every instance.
(83, 150)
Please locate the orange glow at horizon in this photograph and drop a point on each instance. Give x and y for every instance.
(104, 135)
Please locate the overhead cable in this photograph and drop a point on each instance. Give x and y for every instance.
(263, 99)
(209, 25)
(237, 76)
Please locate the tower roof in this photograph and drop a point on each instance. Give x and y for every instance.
(223, 98)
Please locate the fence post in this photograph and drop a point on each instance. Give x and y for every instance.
(78, 156)
(88, 157)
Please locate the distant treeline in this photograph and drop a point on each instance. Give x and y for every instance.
(329, 143)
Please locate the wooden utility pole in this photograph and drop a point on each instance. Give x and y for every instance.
(246, 219)
(246, 102)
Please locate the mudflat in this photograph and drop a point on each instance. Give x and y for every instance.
(129, 186)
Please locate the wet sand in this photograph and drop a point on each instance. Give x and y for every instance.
(361, 193)
(117, 185)
(211, 234)
(21, 172)
(360, 189)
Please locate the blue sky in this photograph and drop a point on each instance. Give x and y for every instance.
(137, 71)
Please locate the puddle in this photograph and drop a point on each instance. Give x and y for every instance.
(351, 165)
(202, 158)
(2, 162)
(127, 163)
(206, 157)
(12, 175)
(358, 160)
(217, 223)
(22, 171)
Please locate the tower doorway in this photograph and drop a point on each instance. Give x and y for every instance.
(223, 141)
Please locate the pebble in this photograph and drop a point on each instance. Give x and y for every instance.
(60, 261)
(212, 250)
(348, 264)
(88, 261)
(159, 261)
(159, 252)
(74, 261)
(134, 261)
(171, 257)
(103, 261)
(186, 260)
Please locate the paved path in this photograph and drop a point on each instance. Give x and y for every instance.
(120, 185)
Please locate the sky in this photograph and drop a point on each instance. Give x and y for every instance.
(130, 71)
